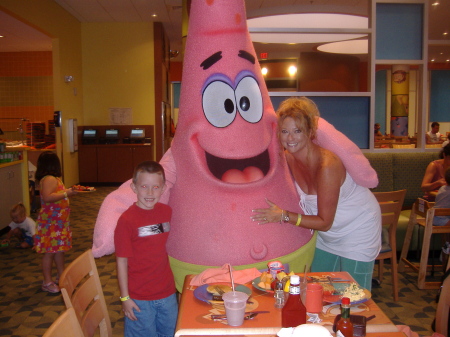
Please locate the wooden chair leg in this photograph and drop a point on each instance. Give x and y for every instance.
(394, 272)
(407, 242)
(380, 270)
(424, 256)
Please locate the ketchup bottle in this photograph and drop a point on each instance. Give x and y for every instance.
(293, 312)
(344, 327)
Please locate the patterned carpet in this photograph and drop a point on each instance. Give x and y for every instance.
(25, 310)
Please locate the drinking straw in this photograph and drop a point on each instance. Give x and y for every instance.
(231, 275)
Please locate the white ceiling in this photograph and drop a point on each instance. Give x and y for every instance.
(21, 37)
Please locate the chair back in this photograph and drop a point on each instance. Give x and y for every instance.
(442, 311)
(403, 146)
(421, 207)
(81, 289)
(391, 204)
(66, 325)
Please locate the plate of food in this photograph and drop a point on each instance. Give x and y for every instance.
(260, 285)
(85, 189)
(208, 292)
(333, 294)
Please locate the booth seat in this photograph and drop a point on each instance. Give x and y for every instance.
(397, 171)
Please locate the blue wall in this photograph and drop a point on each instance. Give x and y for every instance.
(350, 115)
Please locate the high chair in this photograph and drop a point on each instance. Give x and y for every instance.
(427, 212)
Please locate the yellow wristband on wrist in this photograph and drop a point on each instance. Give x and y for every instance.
(65, 194)
(125, 298)
(299, 219)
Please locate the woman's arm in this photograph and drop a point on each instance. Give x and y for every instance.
(49, 193)
(329, 179)
(427, 183)
(122, 276)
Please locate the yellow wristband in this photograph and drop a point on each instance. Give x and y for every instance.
(65, 194)
(125, 298)
(299, 219)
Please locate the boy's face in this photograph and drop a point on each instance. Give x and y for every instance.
(18, 217)
(148, 188)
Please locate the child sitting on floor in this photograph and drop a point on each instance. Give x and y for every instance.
(22, 227)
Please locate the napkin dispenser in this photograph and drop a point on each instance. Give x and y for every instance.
(359, 324)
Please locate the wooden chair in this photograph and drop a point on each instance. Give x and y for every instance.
(422, 214)
(391, 204)
(433, 146)
(81, 289)
(66, 325)
(403, 146)
(442, 311)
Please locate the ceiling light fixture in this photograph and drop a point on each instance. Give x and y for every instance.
(293, 28)
(435, 3)
(346, 47)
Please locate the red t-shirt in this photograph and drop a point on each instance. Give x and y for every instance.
(141, 236)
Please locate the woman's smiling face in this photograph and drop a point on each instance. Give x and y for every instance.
(291, 136)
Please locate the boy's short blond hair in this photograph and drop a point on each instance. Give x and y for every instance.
(18, 209)
(149, 167)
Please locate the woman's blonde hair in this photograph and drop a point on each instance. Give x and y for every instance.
(303, 111)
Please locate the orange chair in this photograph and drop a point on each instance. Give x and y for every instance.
(391, 204)
(81, 289)
(66, 325)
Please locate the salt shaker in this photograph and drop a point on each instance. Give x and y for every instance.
(278, 294)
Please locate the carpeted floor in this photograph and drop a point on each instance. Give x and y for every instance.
(25, 310)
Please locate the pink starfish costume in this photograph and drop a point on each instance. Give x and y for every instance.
(225, 158)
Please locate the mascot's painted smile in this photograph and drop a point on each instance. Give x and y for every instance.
(239, 171)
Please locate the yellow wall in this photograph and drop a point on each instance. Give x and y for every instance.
(65, 30)
(118, 71)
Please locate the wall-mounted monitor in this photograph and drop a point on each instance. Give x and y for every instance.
(137, 133)
(112, 133)
(89, 133)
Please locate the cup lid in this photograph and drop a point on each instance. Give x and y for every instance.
(235, 296)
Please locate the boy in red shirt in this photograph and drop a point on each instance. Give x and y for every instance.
(147, 287)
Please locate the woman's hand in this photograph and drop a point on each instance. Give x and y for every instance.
(127, 308)
(266, 215)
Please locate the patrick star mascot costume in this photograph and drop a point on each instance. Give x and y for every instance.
(225, 158)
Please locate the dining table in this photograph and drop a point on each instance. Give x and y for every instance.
(196, 308)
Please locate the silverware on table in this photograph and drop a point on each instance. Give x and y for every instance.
(250, 314)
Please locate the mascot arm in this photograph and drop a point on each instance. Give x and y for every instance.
(118, 202)
(357, 165)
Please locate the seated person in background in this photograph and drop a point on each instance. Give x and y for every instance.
(443, 201)
(433, 136)
(377, 131)
(434, 174)
(22, 227)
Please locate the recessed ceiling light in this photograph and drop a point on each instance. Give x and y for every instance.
(447, 60)
(432, 60)
(444, 33)
(1, 36)
(435, 3)
(154, 15)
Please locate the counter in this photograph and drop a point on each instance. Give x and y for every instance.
(14, 184)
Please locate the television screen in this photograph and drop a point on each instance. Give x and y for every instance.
(112, 133)
(137, 133)
(90, 133)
